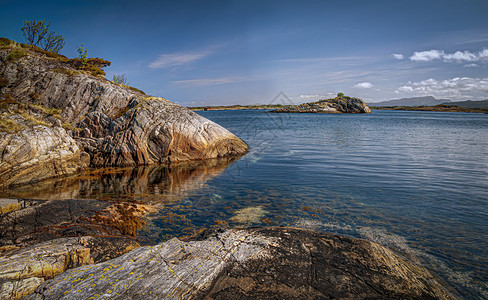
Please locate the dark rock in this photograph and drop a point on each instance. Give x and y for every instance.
(336, 105)
(267, 263)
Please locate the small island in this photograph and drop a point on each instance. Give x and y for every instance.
(339, 104)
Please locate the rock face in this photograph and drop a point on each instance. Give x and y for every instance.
(56, 120)
(336, 105)
(264, 263)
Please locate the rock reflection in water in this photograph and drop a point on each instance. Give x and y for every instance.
(157, 183)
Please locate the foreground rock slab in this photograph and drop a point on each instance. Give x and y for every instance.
(259, 263)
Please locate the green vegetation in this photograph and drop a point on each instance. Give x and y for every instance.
(9, 125)
(134, 89)
(15, 55)
(82, 53)
(68, 72)
(45, 110)
(120, 79)
(340, 95)
(68, 126)
(37, 33)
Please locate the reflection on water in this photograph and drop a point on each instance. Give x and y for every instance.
(155, 184)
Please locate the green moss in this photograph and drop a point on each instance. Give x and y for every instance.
(15, 55)
(133, 89)
(68, 126)
(34, 120)
(8, 125)
(68, 72)
(45, 110)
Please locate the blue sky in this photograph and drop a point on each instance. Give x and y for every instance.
(246, 52)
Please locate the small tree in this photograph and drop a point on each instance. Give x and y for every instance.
(82, 53)
(37, 33)
(120, 79)
(340, 95)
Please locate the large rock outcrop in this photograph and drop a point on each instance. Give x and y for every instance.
(342, 104)
(52, 112)
(267, 263)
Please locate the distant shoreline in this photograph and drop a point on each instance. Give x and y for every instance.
(437, 108)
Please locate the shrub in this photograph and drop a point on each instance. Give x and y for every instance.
(37, 33)
(340, 95)
(120, 79)
(82, 53)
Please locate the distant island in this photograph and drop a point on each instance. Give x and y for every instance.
(340, 104)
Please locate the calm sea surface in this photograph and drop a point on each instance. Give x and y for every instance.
(416, 182)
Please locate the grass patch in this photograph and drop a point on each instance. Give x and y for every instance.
(133, 89)
(9, 125)
(47, 111)
(15, 55)
(68, 72)
(69, 126)
(34, 120)
(42, 51)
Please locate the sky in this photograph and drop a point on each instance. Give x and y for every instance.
(248, 52)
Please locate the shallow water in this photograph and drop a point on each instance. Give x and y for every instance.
(414, 181)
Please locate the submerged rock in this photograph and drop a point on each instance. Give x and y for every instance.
(336, 105)
(250, 264)
(56, 119)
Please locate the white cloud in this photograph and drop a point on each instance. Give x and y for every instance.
(460, 56)
(427, 55)
(398, 56)
(364, 85)
(178, 59)
(471, 66)
(483, 54)
(454, 87)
